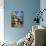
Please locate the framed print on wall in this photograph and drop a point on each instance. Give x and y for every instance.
(17, 18)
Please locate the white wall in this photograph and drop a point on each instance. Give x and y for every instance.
(1, 21)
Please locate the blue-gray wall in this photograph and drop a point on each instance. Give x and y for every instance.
(43, 6)
(29, 7)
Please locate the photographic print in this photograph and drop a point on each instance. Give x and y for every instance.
(17, 18)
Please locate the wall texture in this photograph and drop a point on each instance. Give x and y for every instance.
(29, 7)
